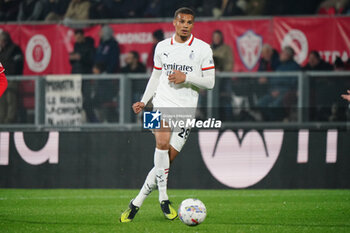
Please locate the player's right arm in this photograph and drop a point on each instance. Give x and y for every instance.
(151, 85)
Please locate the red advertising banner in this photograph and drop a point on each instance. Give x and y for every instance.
(330, 36)
(46, 47)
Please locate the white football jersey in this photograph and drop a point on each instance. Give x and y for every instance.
(192, 57)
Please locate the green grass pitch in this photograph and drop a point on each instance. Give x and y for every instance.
(258, 211)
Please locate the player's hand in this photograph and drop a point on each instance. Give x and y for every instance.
(177, 77)
(346, 97)
(137, 107)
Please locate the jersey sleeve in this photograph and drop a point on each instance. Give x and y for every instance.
(207, 79)
(207, 62)
(156, 60)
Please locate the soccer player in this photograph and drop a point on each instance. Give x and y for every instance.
(182, 65)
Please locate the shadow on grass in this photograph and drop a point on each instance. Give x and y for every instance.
(290, 225)
(58, 223)
(153, 219)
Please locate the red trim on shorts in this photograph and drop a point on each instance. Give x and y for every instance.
(157, 68)
(171, 42)
(208, 68)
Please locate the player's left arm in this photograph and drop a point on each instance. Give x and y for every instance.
(207, 80)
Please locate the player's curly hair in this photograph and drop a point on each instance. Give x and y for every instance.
(184, 10)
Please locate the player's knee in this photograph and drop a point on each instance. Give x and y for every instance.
(163, 144)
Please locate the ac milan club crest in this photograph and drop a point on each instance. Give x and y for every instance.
(249, 47)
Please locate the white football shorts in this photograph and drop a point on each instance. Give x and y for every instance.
(173, 113)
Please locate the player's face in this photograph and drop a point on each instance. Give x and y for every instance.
(183, 25)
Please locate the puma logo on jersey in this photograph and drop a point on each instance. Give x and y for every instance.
(166, 54)
(192, 55)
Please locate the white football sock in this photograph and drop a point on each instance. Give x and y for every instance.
(161, 164)
(148, 186)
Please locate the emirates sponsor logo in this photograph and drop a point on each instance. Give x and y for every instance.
(174, 66)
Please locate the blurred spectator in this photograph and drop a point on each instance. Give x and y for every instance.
(291, 7)
(223, 59)
(153, 9)
(210, 8)
(82, 58)
(102, 9)
(233, 7)
(327, 107)
(168, 8)
(332, 7)
(287, 60)
(108, 51)
(330, 107)
(135, 8)
(77, 10)
(347, 65)
(3, 80)
(133, 64)
(9, 10)
(11, 57)
(339, 65)
(31, 10)
(222, 53)
(105, 97)
(107, 9)
(269, 60)
(315, 62)
(320, 84)
(347, 8)
(157, 36)
(255, 7)
(346, 96)
(281, 90)
(55, 9)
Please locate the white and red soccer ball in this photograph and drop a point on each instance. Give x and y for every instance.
(192, 212)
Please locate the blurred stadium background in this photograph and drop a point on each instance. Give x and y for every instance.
(75, 67)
